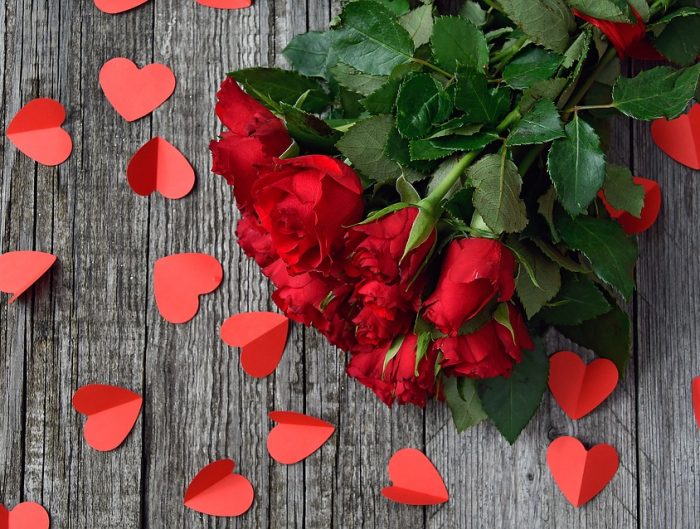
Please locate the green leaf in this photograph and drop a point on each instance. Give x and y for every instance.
(529, 66)
(576, 165)
(463, 399)
(540, 125)
(436, 148)
(621, 192)
(538, 278)
(608, 335)
(549, 89)
(308, 130)
(311, 53)
(545, 207)
(656, 93)
(473, 12)
(419, 24)
(460, 206)
(421, 103)
(612, 253)
(615, 10)
(578, 300)
(457, 42)
(392, 351)
(371, 40)
(441, 173)
(497, 185)
(407, 193)
(423, 226)
(479, 104)
(680, 39)
(398, 7)
(383, 99)
(356, 81)
(547, 22)
(511, 402)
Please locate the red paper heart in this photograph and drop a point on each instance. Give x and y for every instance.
(20, 270)
(577, 387)
(111, 414)
(216, 491)
(415, 479)
(179, 280)
(680, 137)
(117, 6)
(261, 337)
(159, 166)
(27, 515)
(36, 131)
(649, 213)
(296, 436)
(135, 92)
(226, 4)
(581, 474)
(696, 398)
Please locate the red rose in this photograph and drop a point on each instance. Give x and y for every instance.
(378, 248)
(255, 240)
(401, 379)
(306, 203)
(488, 352)
(474, 272)
(254, 138)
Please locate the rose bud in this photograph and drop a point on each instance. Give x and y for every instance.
(474, 271)
(306, 203)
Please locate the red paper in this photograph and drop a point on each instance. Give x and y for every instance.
(20, 270)
(581, 474)
(696, 398)
(135, 92)
(218, 492)
(112, 412)
(117, 6)
(179, 280)
(577, 387)
(226, 4)
(261, 337)
(415, 479)
(27, 515)
(649, 213)
(296, 436)
(159, 166)
(36, 131)
(680, 137)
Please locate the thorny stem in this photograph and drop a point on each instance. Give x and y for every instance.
(608, 56)
(433, 67)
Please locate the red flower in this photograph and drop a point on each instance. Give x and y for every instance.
(255, 241)
(488, 352)
(628, 39)
(306, 203)
(401, 379)
(254, 138)
(650, 211)
(474, 271)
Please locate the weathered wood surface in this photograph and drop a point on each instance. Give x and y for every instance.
(93, 319)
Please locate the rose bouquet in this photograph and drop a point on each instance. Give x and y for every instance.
(431, 193)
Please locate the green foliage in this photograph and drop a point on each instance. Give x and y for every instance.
(578, 300)
(615, 10)
(310, 53)
(457, 42)
(541, 124)
(546, 22)
(479, 103)
(419, 24)
(679, 40)
(421, 103)
(530, 66)
(462, 397)
(538, 279)
(621, 192)
(356, 81)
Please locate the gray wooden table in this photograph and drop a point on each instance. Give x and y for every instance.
(93, 319)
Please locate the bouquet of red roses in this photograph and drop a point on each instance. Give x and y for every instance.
(431, 193)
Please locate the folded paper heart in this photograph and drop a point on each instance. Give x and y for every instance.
(20, 270)
(579, 473)
(179, 280)
(415, 479)
(136, 92)
(26, 515)
(649, 213)
(696, 398)
(579, 388)
(111, 414)
(261, 337)
(36, 131)
(226, 4)
(117, 6)
(216, 491)
(296, 436)
(159, 166)
(680, 137)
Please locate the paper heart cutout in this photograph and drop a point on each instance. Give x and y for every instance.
(650, 211)
(261, 337)
(159, 166)
(579, 388)
(226, 4)
(111, 414)
(296, 436)
(135, 92)
(216, 491)
(680, 137)
(579, 473)
(36, 131)
(117, 6)
(20, 270)
(696, 398)
(415, 479)
(179, 280)
(26, 515)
